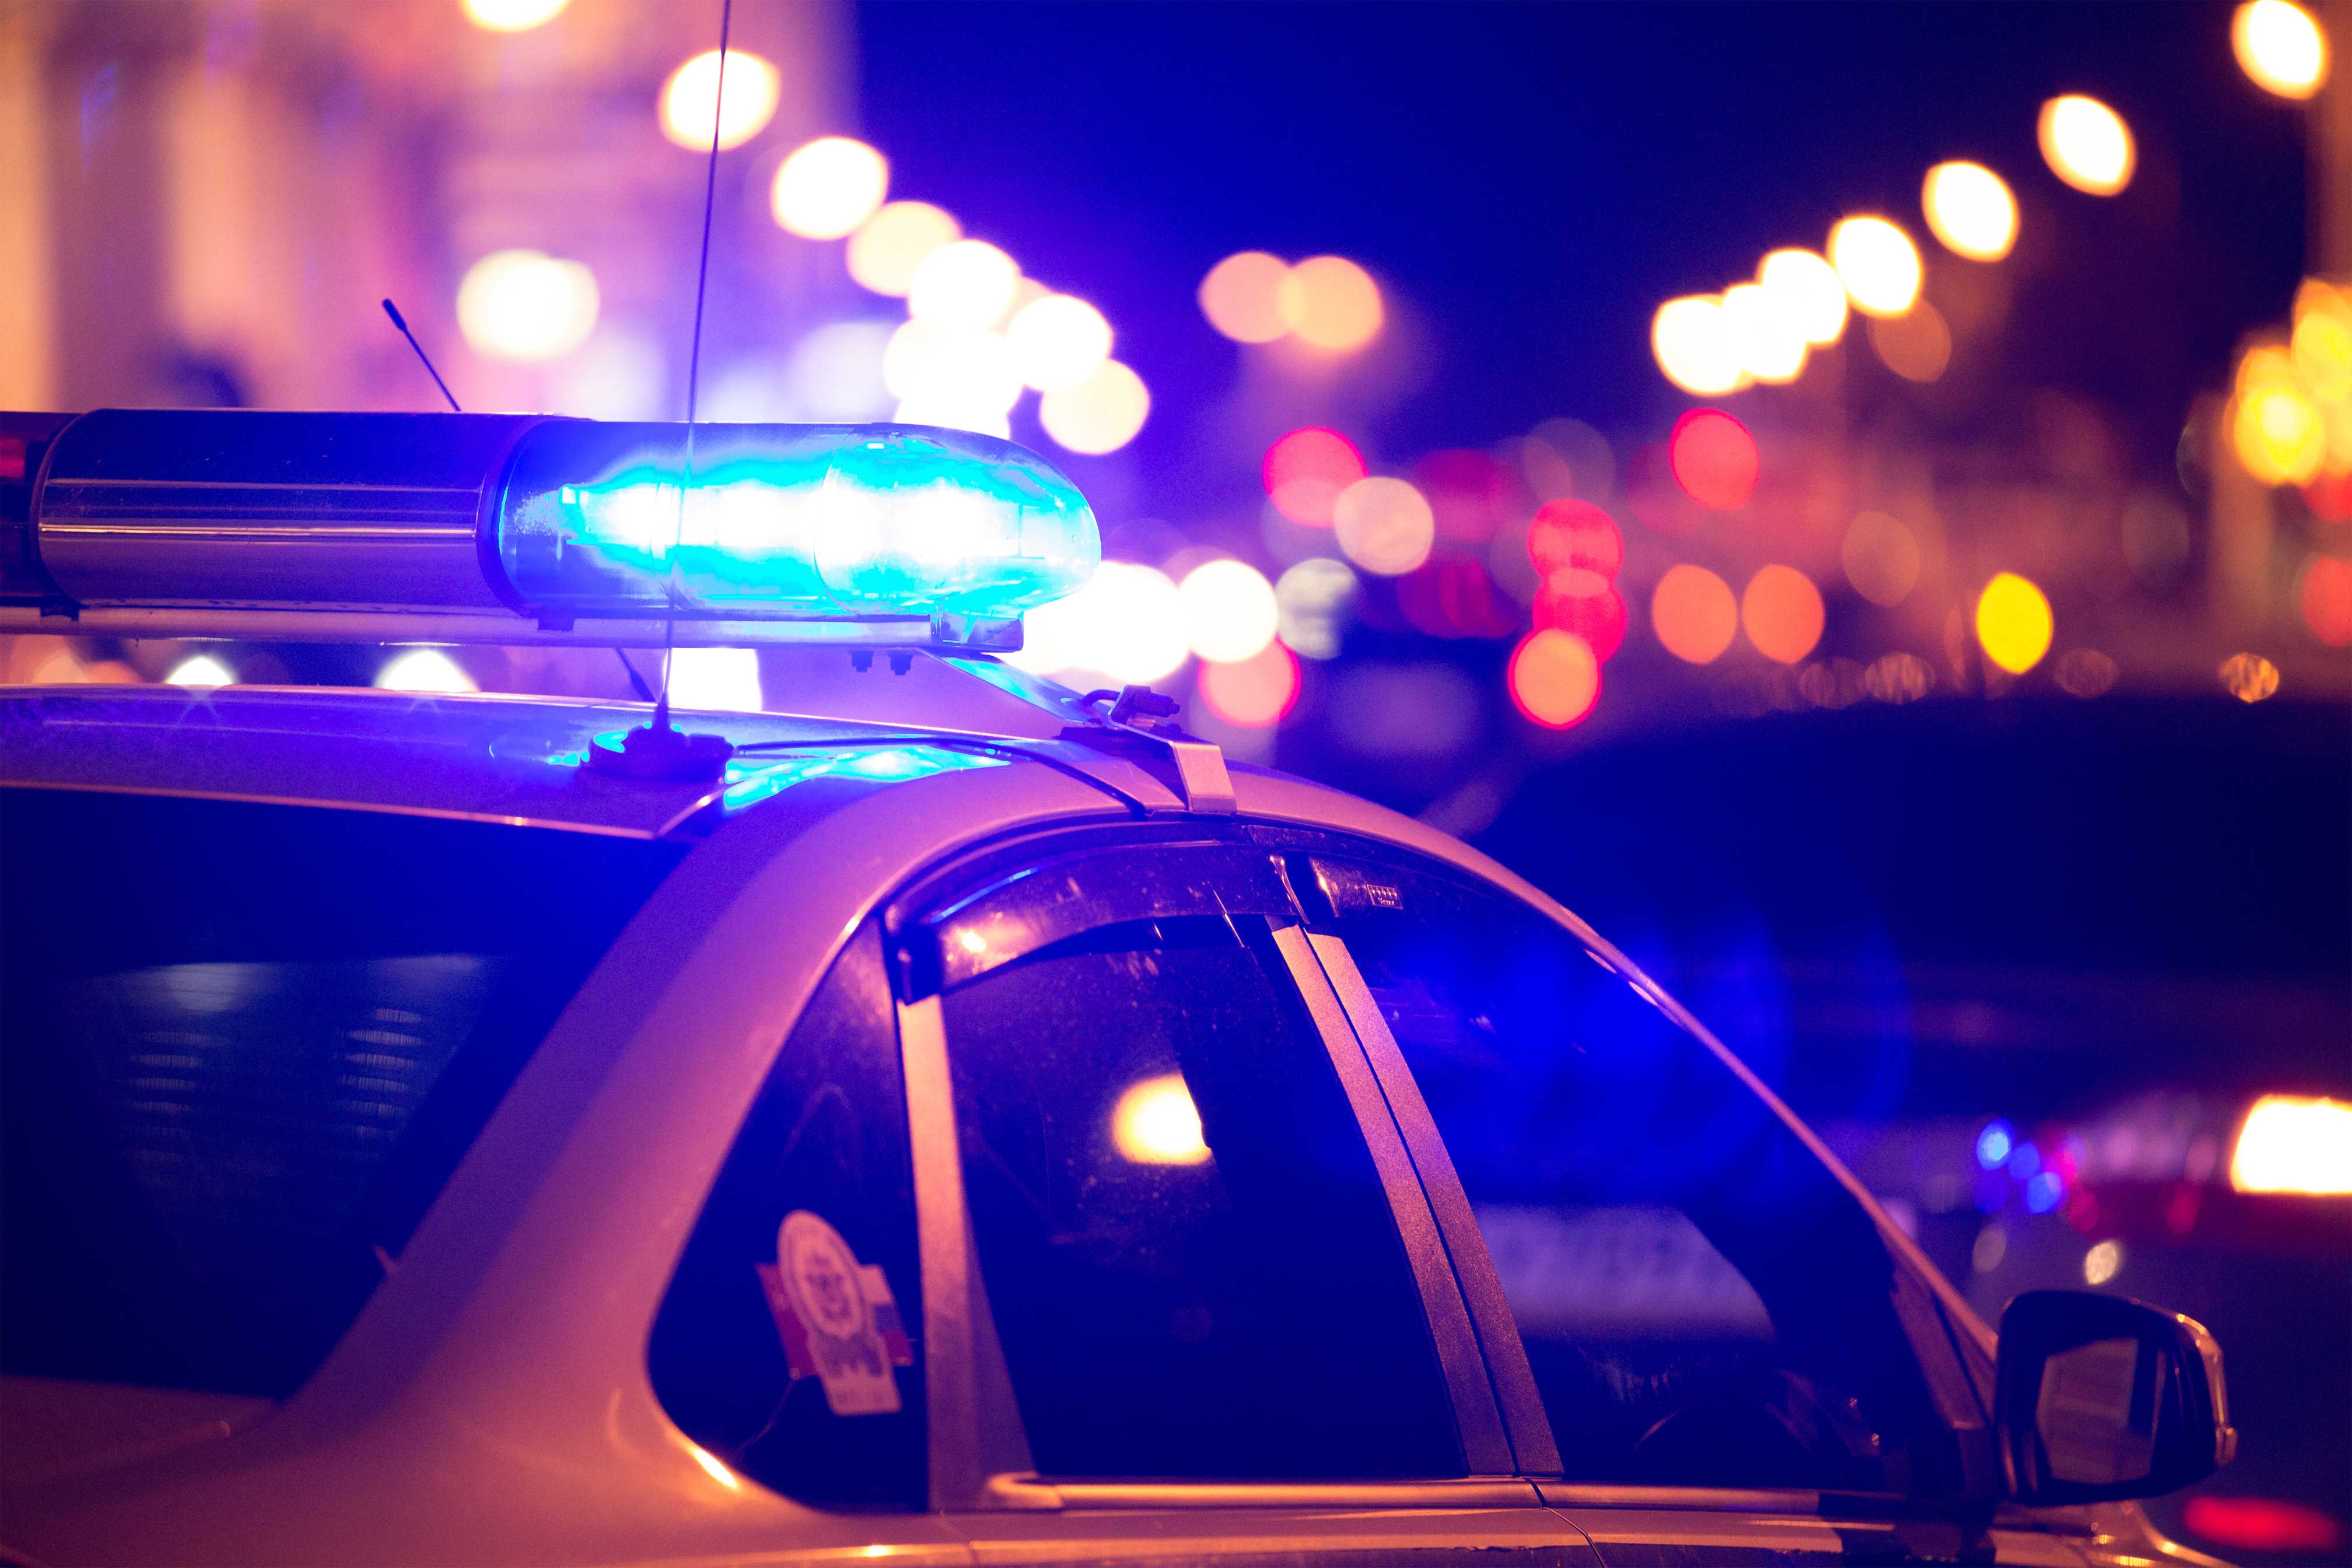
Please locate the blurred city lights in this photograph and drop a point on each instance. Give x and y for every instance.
(1694, 614)
(1783, 612)
(2249, 677)
(1714, 458)
(1242, 297)
(1994, 1143)
(1312, 598)
(1970, 209)
(965, 283)
(523, 305)
(2085, 672)
(1807, 292)
(1101, 414)
(1058, 341)
(2276, 431)
(690, 102)
(884, 251)
(1899, 677)
(512, 16)
(1915, 345)
(1576, 599)
(1385, 526)
(2102, 1262)
(1253, 692)
(1233, 610)
(426, 670)
(829, 187)
(1305, 470)
(965, 380)
(721, 679)
(2293, 1145)
(2086, 144)
(1575, 533)
(1764, 331)
(1554, 678)
(1127, 623)
(2326, 598)
(203, 669)
(1877, 263)
(1330, 302)
(1881, 558)
(2044, 1191)
(2321, 347)
(1694, 347)
(2280, 44)
(2013, 623)
(1156, 1123)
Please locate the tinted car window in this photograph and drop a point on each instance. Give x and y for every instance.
(242, 1047)
(1701, 1303)
(1192, 1267)
(827, 1138)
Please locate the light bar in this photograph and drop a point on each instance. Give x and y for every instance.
(495, 528)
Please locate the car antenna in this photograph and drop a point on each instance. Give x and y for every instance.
(393, 311)
(659, 751)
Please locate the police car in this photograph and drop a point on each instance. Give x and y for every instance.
(950, 1118)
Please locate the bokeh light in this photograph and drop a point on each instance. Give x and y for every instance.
(2085, 672)
(1970, 209)
(1693, 346)
(1232, 607)
(689, 102)
(2325, 598)
(2277, 433)
(1714, 458)
(524, 305)
(1877, 263)
(889, 247)
(1128, 624)
(1156, 1123)
(2249, 677)
(1330, 302)
(1694, 614)
(1253, 692)
(2086, 144)
(2293, 1145)
(2013, 623)
(425, 669)
(1101, 414)
(1313, 598)
(2280, 46)
(1808, 291)
(2102, 1262)
(513, 16)
(1305, 470)
(1575, 533)
(1554, 678)
(964, 284)
(1578, 600)
(201, 669)
(1242, 297)
(715, 680)
(963, 380)
(1058, 341)
(1384, 526)
(1764, 331)
(2322, 345)
(1783, 612)
(829, 187)
(1915, 345)
(1881, 557)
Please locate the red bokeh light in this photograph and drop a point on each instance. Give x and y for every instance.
(1554, 679)
(1714, 458)
(1452, 597)
(1577, 600)
(1470, 492)
(1307, 469)
(1657, 502)
(2328, 600)
(1575, 533)
(2260, 1524)
(1253, 692)
(2330, 496)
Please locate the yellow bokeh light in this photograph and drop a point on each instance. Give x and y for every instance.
(1877, 263)
(690, 105)
(2013, 623)
(513, 16)
(829, 187)
(1808, 293)
(2294, 1145)
(1101, 414)
(1694, 614)
(1764, 332)
(1155, 1123)
(526, 306)
(888, 248)
(1242, 297)
(1694, 347)
(2321, 347)
(1385, 526)
(965, 285)
(2281, 45)
(2278, 435)
(1058, 340)
(1331, 302)
(2249, 677)
(1970, 209)
(2086, 144)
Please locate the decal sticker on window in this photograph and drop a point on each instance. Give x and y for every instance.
(839, 1321)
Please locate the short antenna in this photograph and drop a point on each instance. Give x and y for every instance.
(393, 311)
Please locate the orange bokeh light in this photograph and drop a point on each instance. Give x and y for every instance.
(1307, 469)
(1554, 679)
(1714, 458)
(1782, 612)
(1694, 614)
(2328, 600)
(1253, 692)
(1568, 533)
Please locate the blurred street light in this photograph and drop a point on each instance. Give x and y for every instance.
(1242, 297)
(1970, 209)
(512, 16)
(889, 247)
(829, 187)
(1694, 347)
(1877, 263)
(966, 284)
(1331, 303)
(1233, 610)
(689, 102)
(2087, 144)
(1384, 526)
(523, 305)
(2281, 45)
(1808, 293)
(2013, 623)
(1101, 414)
(1058, 341)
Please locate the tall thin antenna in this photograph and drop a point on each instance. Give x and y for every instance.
(694, 360)
(393, 311)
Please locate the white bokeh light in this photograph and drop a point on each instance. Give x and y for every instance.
(964, 284)
(888, 248)
(1763, 332)
(513, 16)
(202, 669)
(426, 670)
(1692, 346)
(720, 678)
(829, 187)
(1233, 610)
(526, 305)
(1877, 263)
(1384, 526)
(1808, 289)
(691, 106)
(1127, 625)
(1101, 414)
(1058, 341)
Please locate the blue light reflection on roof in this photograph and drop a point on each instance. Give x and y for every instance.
(749, 781)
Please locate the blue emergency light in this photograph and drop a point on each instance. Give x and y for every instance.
(521, 529)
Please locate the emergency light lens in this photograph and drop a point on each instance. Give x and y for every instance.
(788, 523)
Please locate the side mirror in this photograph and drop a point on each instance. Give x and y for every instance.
(2097, 1397)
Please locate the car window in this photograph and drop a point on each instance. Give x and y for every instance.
(1701, 1302)
(242, 1049)
(1191, 1265)
(787, 1344)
